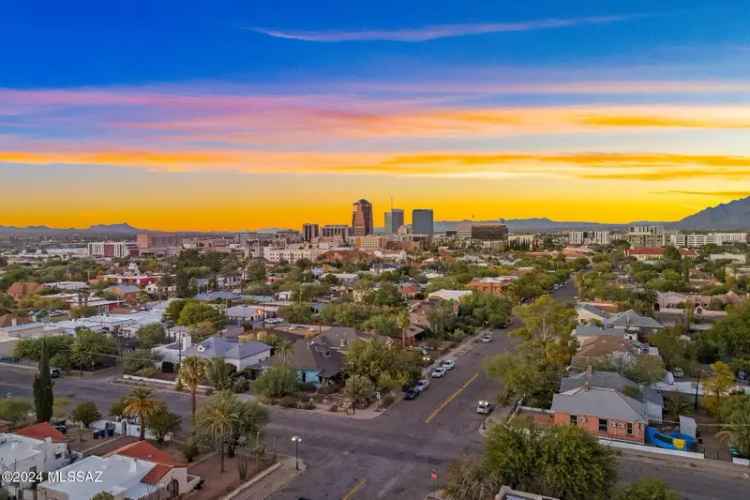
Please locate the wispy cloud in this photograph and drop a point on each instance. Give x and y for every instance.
(434, 32)
(715, 194)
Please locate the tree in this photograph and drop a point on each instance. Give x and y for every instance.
(86, 413)
(377, 361)
(277, 382)
(91, 349)
(140, 403)
(359, 389)
(191, 374)
(735, 413)
(44, 398)
(546, 330)
(467, 479)
(646, 369)
(647, 489)
(523, 377)
(217, 419)
(563, 461)
(441, 318)
(201, 331)
(162, 422)
(103, 495)
(718, 385)
(195, 312)
(151, 335)
(14, 410)
(219, 374)
(172, 313)
(296, 313)
(383, 325)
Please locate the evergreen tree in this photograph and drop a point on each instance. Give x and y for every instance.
(43, 396)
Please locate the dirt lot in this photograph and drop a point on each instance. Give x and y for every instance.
(217, 484)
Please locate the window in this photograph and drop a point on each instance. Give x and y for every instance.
(58, 455)
(573, 420)
(630, 428)
(603, 424)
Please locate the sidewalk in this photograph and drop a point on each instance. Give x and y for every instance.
(271, 483)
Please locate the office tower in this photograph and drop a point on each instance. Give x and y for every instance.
(310, 231)
(336, 231)
(394, 220)
(362, 218)
(421, 221)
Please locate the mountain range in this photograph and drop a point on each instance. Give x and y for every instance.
(734, 215)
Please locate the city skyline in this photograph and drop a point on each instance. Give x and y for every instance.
(278, 114)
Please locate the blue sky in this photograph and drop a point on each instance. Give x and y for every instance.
(125, 42)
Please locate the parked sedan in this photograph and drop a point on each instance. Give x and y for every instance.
(411, 394)
(422, 385)
(486, 339)
(448, 364)
(438, 372)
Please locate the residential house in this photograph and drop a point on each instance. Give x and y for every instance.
(316, 363)
(135, 471)
(494, 285)
(633, 321)
(601, 411)
(36, 448)
(237, 352)
(251, 313)
(128, 293)
(651, 398)
(591, 314)
(451, 295)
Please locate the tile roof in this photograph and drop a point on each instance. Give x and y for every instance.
(154, 475)
(41, 431)
(143, 450)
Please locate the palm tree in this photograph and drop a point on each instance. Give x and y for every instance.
(219, 374)
(404, 321)
(218, 419)
(142, 404)
(284, 348)
(192, 372)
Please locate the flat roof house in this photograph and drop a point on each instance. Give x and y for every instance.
(135, 471)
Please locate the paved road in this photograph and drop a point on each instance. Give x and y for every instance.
(392, 456)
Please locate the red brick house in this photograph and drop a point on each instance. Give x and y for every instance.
(604, 412)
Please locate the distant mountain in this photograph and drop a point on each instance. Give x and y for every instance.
(123, 228)
(727, 216)
(536, 225)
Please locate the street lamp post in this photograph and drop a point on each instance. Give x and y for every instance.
(296, 440)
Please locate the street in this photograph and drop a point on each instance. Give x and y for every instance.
(391, 456)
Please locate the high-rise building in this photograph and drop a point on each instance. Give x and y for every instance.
(393, 220)
(646, 236)
(362, 218)
(117, 249)
(421, 221)
(310, 231)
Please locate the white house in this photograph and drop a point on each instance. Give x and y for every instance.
(454, 295)
(37, 448)
(135, 471)
(250, 313)
(238, 353)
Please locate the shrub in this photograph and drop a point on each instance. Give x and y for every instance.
(241, 385)
(334, 408)
(288, 402)
(387, 401)
(190, 450)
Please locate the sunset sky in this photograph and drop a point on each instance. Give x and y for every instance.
(241, 115)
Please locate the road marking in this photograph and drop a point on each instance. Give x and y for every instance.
(451, 398)
(354, 489)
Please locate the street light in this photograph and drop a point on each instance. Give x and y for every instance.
(296, 440)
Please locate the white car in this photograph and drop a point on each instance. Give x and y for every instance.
(422, 385)
(438, 372)
(448, 364)
(486, 339)
(484, 407)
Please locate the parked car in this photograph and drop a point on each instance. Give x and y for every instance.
(411, 394)
(422, 385)
(448, 364)
(438, 372)
(55, 372)
(484, 407)
(486, 339)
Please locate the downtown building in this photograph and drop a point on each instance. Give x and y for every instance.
(110, 249)
(310, 232)
(422, 223)
(362, 218)
(697, 240)
(393, 220)
(482, 231)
